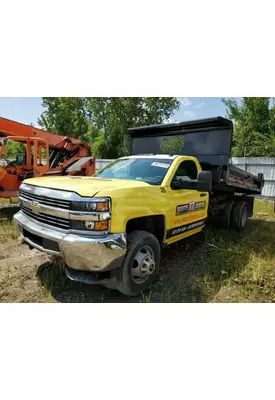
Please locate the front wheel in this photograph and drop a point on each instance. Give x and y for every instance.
(141, 264)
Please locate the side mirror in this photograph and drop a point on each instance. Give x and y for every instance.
(176, 185)
(204, 181)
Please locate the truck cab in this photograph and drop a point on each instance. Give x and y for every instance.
(179, 190)
(110, 228)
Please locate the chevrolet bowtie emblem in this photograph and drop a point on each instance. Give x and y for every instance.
(35, 207)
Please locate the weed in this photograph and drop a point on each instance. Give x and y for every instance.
(146, 298)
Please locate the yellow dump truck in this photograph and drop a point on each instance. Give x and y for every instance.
(111, 228)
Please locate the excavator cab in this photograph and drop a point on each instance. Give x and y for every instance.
(33, 163)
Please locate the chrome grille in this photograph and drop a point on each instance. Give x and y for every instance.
(47, 219)
(49, 201)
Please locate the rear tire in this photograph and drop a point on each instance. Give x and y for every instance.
(239, 215)
(141, 264)
(227, 214)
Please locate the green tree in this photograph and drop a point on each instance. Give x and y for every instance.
(65, 116)
(104, 120)
(13, 148)
(114, 115)
(254, 126)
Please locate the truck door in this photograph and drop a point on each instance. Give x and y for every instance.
(188, 208)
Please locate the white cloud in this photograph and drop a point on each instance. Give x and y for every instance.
(189, 114)
(199, 105)
(169, 121)
(185, 101)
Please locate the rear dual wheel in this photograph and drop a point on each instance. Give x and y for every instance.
(227, 214)
(235, 215)
(239, 215)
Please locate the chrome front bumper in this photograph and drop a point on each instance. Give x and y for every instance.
(86, 253)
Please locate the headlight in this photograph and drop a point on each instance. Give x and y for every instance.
(90, 225)
(87, 206)
(92, 206)
(93, 216)
(98, 226)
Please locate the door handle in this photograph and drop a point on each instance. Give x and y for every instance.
(203, 194)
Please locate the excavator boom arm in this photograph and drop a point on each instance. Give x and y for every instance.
(13, 128)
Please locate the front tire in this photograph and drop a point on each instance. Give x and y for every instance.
(141, 264)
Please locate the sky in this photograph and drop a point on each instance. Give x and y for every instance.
(197, 108)
(28, 109)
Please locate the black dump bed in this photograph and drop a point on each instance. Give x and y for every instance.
(209, 140)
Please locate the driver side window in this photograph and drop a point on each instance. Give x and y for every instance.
(187, 170)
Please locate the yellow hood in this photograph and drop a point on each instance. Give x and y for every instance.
(85, 186)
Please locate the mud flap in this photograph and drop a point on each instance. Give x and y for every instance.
(250, 205)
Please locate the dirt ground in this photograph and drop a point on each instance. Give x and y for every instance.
(18, 281)
(31, 276)
(214, 266)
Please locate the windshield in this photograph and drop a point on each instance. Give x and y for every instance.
(150, 170)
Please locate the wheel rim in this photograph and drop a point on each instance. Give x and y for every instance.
(143, 265)
(244, 216)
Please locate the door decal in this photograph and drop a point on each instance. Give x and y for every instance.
(190, 207)
(184, 228)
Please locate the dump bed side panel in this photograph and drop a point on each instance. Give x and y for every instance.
(243, 180)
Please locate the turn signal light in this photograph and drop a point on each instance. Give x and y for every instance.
(102, 206)
(101, 225)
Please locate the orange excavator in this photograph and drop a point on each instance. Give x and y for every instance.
(45, 154)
